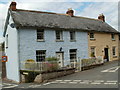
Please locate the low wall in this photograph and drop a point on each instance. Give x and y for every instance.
(44, 76)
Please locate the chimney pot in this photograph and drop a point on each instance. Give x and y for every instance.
(70, 12)
(13, 6)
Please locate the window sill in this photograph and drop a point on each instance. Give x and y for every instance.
(93, 39)
(72, 40)
(113, 40)
(59, 40)
(114, 56)
(40, 40)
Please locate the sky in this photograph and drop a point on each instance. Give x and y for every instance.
(84, 8)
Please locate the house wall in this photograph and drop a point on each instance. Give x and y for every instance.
(12, 66)
(101, 41)
(29, 44)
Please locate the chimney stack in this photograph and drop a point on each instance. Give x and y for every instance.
(13, 6)
(70, 12)
(101, 17)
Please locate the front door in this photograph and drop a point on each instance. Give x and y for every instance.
(60, 58)
(106, 54)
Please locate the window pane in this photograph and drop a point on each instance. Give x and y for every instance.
(58, 35)
(72, 35)
(91, 35)
(40, 34)
(40, 55)
(73, 55)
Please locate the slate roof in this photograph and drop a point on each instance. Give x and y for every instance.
(28, 18)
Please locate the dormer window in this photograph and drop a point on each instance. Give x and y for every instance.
(113, 36)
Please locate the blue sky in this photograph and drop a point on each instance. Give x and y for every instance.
(85, 9)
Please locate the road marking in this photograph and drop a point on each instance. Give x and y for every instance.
(63, 82)
(73, 82)
(113, 69)
(95, 83)
(67, 80)
(98, 80)
(84, 82)
(110, 83)
(59, 80)
(77, 80)
(10, 86)
(54, 82)
(46, 83)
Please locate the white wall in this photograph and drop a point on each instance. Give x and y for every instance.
(12, 66)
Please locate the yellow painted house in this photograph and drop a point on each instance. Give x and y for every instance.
(105, 44)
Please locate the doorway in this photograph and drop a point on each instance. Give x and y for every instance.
(60, 56)
(106, 54)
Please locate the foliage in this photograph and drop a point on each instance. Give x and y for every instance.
(51, 59)
(92, 55)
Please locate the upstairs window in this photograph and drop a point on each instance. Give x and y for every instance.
(40, 35)
(113, 36)
(72, 36)
(92, 36)
(59, 35)
(119, 37)
(40, 55)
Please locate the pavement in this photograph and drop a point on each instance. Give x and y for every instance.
(105, 76)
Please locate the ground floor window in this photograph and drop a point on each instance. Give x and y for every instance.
(114, 51)
(40, 55)
(73, 55)
(92, 51)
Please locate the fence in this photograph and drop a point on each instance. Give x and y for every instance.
(55, 65)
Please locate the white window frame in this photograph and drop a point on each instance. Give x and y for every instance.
(92, 48)
(40, 55)
(114, 51)
(59, 35)
(72, 36)
(74, 54)
(92, 36)
(113, 36)
(39, 32)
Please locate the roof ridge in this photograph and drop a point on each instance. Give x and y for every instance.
(55, 13)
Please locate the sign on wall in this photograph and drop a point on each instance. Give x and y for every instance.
(4, 59)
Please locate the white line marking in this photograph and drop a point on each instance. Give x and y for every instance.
(59, 80)
(54, 82)
(96, 83)
(84, 82)
(110, 83)
(11, 86)
(63, 82)
(113, 81)
(113, 69)
(76, 80)
(67, 80)
(98, 80)
(73, 82)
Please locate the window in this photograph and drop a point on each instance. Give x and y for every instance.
(59, 35)
(114, 51)
(72, 35)
(7, 41)
(92, 51)
(91, 35)
(73, 55)
(40, 55)
(113, 36)
(40, 35)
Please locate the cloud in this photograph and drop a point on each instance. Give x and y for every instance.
(86, 9)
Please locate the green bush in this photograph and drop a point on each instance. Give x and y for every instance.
(51, 59)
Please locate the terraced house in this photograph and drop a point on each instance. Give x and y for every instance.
(37, 35)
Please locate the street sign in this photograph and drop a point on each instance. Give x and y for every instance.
(4, 59)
